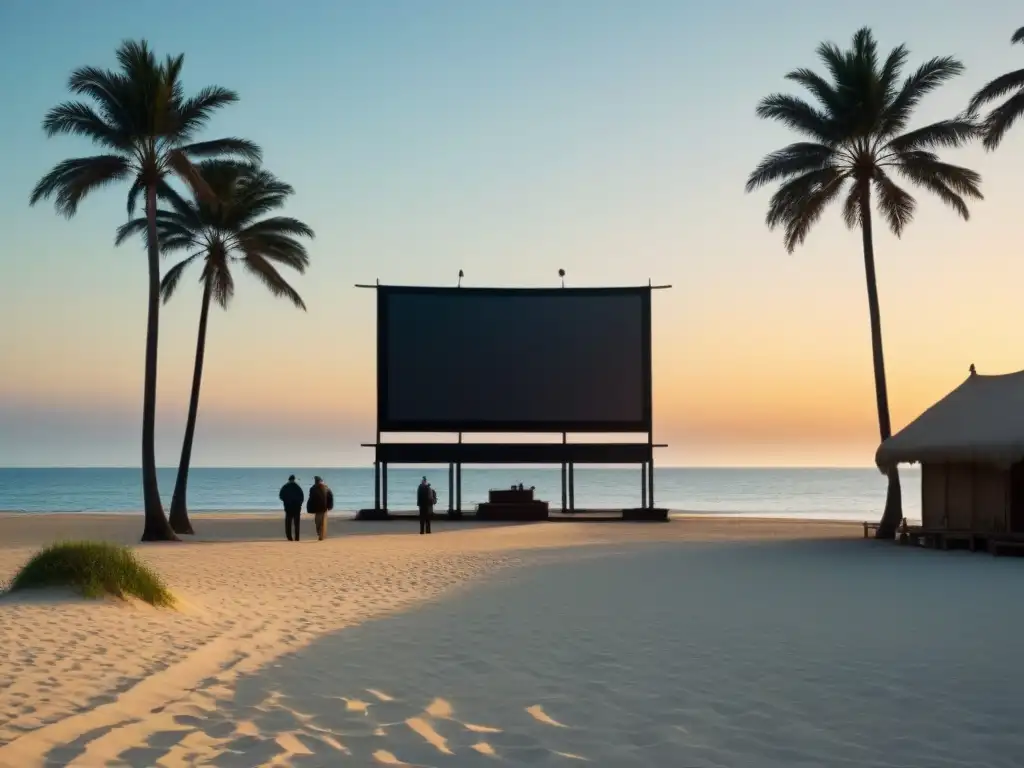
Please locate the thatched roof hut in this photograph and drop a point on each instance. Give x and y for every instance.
(970, 445)
(979, 422)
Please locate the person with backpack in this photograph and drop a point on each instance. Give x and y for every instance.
(318, 504)
(426, 498)
(292, 497)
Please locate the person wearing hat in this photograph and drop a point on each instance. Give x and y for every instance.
(319, 502)
(291, 496)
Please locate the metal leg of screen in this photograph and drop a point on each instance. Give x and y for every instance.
(643, 485)
(564, 488)
(376, 486)
(572, 488)
(384, 484)
(650, 484)
(451, 487)
(458, 487)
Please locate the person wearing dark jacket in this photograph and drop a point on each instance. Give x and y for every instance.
(425, 500)
(291, 496)
(319, 502)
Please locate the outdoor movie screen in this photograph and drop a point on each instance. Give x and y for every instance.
(493, 360)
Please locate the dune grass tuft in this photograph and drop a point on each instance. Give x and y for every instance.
(94, 568)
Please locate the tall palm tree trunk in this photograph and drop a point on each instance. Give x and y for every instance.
(156, 526)
(179, 507)
(893, 512)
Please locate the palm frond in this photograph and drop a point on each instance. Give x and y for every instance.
(78, 119)
(888, 79)
(195, 113)
(70, 181)
(1001, 119)
(793, 160)
(183, 167)
(231, 147)
(964, 181)
(834, 60)
(996, 89)
(950, 183)
(170, 196)
(790, 198)
(283, 250)
(279, 226)
(944, 133)
(169, 283)
(806, 216)
(108, 89)
(798, 115)
(927, 78)
(272, 279)
(851, 207)
(222, 284)
(1018, 36)
(820, 88)
(133, 227)
(865, 50)
(137, 188)
(895, 203)
(173, 244)
(798, 203)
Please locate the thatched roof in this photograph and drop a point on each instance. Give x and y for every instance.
(979, 422)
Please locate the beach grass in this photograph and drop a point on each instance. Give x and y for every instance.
(95, 569)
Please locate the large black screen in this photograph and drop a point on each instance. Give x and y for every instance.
(463, 359)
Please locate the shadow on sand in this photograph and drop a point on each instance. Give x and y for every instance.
(842, 653)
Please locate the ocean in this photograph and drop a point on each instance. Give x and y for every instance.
(829, 494)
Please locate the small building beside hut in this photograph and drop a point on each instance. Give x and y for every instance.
(970, 445)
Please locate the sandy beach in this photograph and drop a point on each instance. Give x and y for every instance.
(700, 642)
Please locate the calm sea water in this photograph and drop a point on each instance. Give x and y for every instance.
(850, 494)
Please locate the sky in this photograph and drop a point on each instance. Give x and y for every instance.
(508, 139)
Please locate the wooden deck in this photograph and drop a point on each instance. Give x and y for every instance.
(994, 542)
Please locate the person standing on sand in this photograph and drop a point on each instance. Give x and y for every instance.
(291, 496)
(426, 498)
(318, 504)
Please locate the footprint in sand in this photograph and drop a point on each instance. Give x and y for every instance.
(439, 708)
(537, 713)
(426, 731)
(385, 757)
(356, 705)
(443, 710)
(480, 728)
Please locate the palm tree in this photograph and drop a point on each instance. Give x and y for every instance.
(856, 143)
(140, 117)
(224, 228)
(1001, 118)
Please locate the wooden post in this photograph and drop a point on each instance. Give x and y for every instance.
(451, 487)
(458, 488)
(384, 485)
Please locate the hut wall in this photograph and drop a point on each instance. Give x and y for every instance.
(959, 496)
(933, 495)
(991, 487)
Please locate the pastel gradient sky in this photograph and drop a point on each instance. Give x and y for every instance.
(508, 139)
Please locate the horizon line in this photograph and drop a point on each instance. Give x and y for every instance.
(580, 467)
